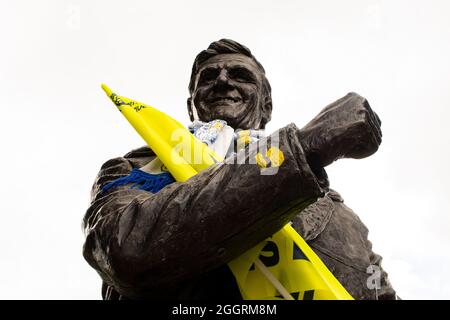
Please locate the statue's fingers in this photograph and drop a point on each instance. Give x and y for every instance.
(372, 113)
(375, 130)
(374, 120)
(374, 127)
(378, 118)
(367, 142)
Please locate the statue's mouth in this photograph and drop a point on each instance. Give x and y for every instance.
(224, 100)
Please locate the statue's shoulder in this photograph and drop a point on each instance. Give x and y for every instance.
(139, 157)
(312, 221)
(344, 236)
(140, 152)
(335, 196)
(122, 165)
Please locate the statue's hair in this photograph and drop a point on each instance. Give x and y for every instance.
(221, 47)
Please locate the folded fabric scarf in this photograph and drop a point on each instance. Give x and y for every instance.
(223, 139)
(207, 132)
(142, 180)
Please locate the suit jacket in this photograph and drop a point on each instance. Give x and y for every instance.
(176, 243)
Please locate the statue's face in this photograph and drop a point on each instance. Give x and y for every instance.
(230, 87)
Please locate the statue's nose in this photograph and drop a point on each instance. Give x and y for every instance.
(222, 77)
(222, 80)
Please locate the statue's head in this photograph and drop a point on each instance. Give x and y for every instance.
(228, 83)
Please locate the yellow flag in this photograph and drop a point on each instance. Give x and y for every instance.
(182, 153)
(283, 262)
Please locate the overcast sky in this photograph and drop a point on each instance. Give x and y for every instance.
(57, 126)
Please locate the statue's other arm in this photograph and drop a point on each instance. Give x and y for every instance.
(141, 242)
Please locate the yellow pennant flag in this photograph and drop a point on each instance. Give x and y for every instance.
(281, 267)
(182, 153)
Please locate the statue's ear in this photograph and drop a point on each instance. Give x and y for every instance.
(190, 109)
(266, 111)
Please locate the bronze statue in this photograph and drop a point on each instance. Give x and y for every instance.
(176, 243)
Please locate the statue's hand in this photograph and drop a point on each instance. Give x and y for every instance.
(347, 128)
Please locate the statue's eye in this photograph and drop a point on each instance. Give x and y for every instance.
(242, 75)
(208, 75)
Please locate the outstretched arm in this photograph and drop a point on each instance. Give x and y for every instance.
(141, 242)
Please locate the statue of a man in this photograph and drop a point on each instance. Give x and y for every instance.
(176, 243)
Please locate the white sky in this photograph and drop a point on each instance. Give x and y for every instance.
(57, 126)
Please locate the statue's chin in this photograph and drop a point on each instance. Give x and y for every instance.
(230, 119)
(231, 116)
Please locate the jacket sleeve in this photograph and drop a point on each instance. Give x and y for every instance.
(141, 242)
